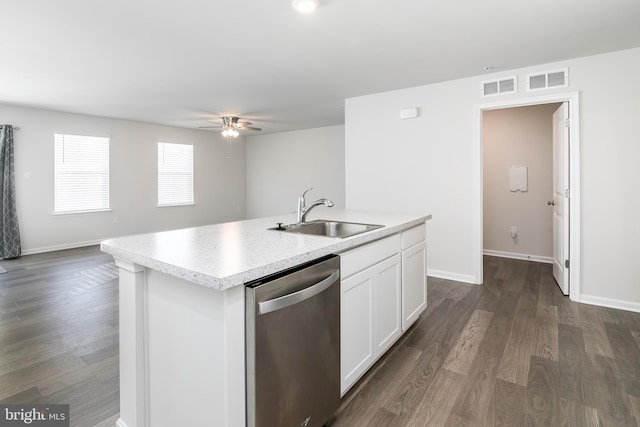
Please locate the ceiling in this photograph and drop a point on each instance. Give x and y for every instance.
(181, 62)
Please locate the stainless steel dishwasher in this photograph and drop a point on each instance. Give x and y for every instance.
(293, 346)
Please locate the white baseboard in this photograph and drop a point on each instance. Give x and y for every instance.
(514, 255)
(60, 247)
(611, 303)
(451, 276)
(120, 423)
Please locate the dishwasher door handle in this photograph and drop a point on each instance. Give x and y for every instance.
(284, 301)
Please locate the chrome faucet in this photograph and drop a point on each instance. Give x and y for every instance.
(303, 210)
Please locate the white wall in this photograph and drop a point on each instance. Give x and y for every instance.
(429, 165)
(518, 136)
(281, 166)
(421, 165)
(219, 182)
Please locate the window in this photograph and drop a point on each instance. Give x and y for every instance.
(175, 174)
(81, 182)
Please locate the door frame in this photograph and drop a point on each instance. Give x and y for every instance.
(575, 250)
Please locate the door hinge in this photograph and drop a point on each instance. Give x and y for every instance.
(566, 263)
(566, 193)
(567, 123)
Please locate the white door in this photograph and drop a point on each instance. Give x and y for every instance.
(387, 302)
(414, 283)
(560, 201)
(356, 328)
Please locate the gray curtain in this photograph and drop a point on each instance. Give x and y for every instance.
(9, 231)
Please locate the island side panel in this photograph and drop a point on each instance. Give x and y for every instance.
(235, 353)
(195, 353)
(133, 380)
(181, 352)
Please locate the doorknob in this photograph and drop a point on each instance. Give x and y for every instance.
(551, 203)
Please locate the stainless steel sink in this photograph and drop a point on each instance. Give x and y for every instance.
(327, 228)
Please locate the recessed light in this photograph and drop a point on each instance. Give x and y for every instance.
(305, 6)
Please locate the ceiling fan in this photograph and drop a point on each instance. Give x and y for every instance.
(231, 125)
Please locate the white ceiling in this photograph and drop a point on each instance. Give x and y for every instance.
(180, 62)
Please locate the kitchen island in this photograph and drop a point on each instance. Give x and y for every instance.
(182, 310)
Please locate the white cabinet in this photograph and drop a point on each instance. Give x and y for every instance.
(383, 291)
(370, 306)
(387, 326)
(356, 328)
(414, 274)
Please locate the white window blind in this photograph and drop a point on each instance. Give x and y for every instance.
(175, 174)
(81, 182)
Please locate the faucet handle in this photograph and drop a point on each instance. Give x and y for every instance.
(306, 191)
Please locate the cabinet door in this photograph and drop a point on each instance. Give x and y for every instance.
(356, 328)
(387, 304)
(414, 283)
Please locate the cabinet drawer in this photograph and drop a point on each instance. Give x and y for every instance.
(413, 236)
(365, 256)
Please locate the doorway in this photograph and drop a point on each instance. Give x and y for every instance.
(573, 199)
(524, 165)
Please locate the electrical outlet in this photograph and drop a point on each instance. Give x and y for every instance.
(115, 219)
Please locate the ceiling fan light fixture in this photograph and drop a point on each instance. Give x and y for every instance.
(230, 133)
(305, 6)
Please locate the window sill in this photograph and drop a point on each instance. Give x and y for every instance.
(176, 205)
(82, 212)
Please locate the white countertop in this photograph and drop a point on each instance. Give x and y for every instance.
(221, 256)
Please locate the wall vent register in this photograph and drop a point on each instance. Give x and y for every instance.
(500, 86)
(548, 79)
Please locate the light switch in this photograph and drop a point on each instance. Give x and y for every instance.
(27, 176)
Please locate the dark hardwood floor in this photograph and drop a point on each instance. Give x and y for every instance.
(59, 333)
(513, 352)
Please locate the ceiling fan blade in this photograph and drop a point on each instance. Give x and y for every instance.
(233, 122)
